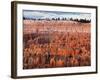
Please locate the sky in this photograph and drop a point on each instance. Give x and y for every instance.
(37, 14)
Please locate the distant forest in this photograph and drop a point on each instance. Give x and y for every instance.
(57, 19)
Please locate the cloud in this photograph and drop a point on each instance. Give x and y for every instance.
(53, 14)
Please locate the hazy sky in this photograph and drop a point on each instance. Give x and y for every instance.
(55, 14)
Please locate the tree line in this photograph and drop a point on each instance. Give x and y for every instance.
(57, 19)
